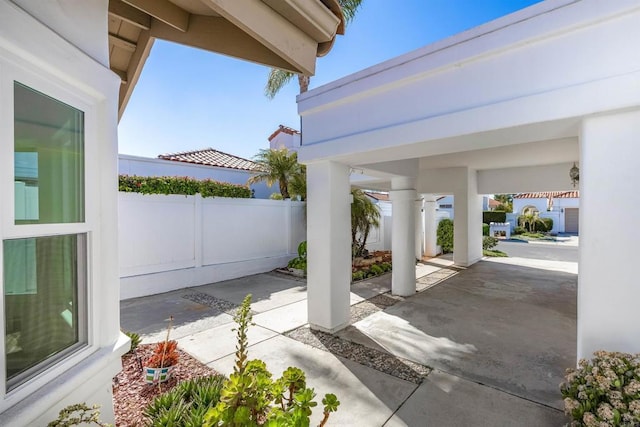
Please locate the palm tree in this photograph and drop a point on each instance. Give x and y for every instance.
(364, 215)
(298, 182)
(279, 78)
(276, 165)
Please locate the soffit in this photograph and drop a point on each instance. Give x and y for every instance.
(283, 34)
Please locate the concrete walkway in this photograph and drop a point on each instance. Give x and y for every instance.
(498, 338)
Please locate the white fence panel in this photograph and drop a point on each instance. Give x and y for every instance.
(173, 242)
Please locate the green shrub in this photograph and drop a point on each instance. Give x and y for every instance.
(250, 397)
(545, 224)
(187, 403)
(445, 235)
(493, 253)
(493, 216)
(301, 261)
(485, 229)
(519, 230)
(603, 391)
(135, 340)
(181, 185)
(386, 266)
(489, 242)
(357, 275)
(276, 196)
(377, 270)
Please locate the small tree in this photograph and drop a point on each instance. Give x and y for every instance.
(276, 165)
(445, 235)
(364, 215)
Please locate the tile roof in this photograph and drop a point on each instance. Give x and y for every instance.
(284, 129)
(211, 157)
(378, 196)
(493, 203)
(548, 195)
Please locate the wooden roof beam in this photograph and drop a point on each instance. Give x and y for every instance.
(122, 74)
(165, 11)
(129, 14)
(125, 44)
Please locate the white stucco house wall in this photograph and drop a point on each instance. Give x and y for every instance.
(199, 164)
(506, 107)
(561, 206)
(284, 137)
(67, 70)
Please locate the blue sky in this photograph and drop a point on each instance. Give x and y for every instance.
(187, 99)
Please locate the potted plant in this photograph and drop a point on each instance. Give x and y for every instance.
(158, 367)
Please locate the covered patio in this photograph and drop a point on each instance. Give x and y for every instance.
(506, 107)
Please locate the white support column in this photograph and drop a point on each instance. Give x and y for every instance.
(608, 289)
(419, 227)
(430, 226)
(467, 228)
(329, 245)
(403, 196)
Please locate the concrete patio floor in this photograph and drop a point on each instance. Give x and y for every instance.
(497, 336)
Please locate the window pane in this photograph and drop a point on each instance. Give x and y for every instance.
(48, 159)
(44, 288)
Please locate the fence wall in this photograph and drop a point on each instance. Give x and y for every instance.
(172, 242)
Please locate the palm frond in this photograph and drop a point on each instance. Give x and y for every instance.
(349, 9)
(277, 80)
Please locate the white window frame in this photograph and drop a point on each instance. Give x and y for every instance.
(51, 85)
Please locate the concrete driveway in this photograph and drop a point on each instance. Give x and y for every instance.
(497, 338)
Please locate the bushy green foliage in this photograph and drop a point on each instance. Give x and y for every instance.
(493, 216)
(603, 391)
(364, 216)
(386, 266)
(135, 340)
(186, 404)
(181, 185)
(275, 196)
(489, 242)
(545, 224)
(358, 275)
(300, 262)
(250, 397)
(445, 235)
(78, 414)
(485, 229)
(519, 230)
(493, 253)
(376, 269)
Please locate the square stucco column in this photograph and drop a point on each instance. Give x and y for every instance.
(403, 235)
(608, 285)
(329, 245)
(430, 225)
(467, 221)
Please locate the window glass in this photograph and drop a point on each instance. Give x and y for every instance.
(44, 302)
(48, 159)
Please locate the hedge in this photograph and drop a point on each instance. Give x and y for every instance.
(181, 185)
(445, 235)
(493, 216)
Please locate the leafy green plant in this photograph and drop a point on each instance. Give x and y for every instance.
(181, 185)
(135, 340)
(78, 414)
(300, 262)
(187, 403)
(445, 235)
(489, 242)
(603, 391)
(364, 216)
(250, 397)
(493, 253)
(545, 224)
(386, 266)
(357, 275)
(485, 229)
(519, 230)
(493, 216)
(376, 269)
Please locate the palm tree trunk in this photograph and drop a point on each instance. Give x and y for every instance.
(283, 189)
(303, 81)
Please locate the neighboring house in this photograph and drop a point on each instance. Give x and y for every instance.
(284, 137)
(446, 204)
(199, 164)
(561, 206)
(67, 70)
(506, 107)
(381, 200)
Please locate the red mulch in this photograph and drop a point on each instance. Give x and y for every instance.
(131, 395)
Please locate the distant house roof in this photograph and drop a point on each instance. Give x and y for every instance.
(384, 197)
(283, 129)
(493, 203)
(211, 157)
(549, 195)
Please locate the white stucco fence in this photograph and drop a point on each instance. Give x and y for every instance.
(173, 242)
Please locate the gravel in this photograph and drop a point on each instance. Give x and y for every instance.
(131, 395)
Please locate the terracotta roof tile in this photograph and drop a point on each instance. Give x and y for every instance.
(378, 196)
(548, 195)
(211, 157)
(284, 129)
